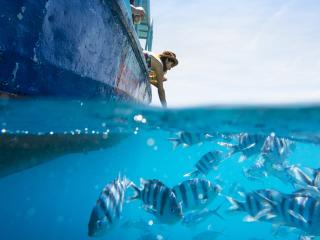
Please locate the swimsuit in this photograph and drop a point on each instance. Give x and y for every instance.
(152, 74)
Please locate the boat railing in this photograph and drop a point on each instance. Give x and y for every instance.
(123, 11)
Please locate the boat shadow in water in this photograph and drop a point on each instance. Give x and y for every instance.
(20, 152)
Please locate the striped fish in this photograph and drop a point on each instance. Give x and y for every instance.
(188, 139)
(196, 193)
(207, 162)
(264, 168)
(299, 177)
(257, 204)
(159, 200)
(294, 210)
(307, 182)
(302, 212)
(106, 213)
(276, 149)
(272, 160)
(248, 145)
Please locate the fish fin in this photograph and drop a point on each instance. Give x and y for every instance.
(232, 148)
(306, 237)
(242, 194)
(266, 213)
(137, 193)
(311, 171)
(242, 158)
(235, 204)
(175, 142)
(248, 147)
(225, 144)
(302, 191)
(195, 173)
(302, 177)
(208, 136)
(249, 218)
(150, 209)
(297, 216)
(143, 182)
(307, 191)
(263, 213)
(272, 203)
(270, 216)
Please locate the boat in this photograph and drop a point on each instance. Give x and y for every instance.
(74, 49)
(68, 49)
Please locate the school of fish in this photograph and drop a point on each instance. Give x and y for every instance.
(187, 202)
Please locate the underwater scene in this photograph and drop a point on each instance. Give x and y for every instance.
(97, 170)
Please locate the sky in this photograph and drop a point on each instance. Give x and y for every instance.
(239, 51)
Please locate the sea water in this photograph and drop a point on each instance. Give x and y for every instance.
(56, 157)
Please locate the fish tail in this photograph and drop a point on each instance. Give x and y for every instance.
(124, 180)
(216, 212)
(209, 136)
(175, 142)
(127, 182)
(137, 192)
(235, 205)
(303, 177)
(192, 174)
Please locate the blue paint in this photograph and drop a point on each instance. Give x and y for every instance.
(71, 49)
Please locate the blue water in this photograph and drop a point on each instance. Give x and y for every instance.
(52, 198)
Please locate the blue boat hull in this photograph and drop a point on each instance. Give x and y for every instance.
(77, 49)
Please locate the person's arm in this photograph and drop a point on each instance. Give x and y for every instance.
(158, 68)
(162, 94)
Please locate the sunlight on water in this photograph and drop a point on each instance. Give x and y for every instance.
(71, 169)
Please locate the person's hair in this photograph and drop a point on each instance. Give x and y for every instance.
(163, 60)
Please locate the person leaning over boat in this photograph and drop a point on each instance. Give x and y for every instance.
(137, 13)
(158, 65)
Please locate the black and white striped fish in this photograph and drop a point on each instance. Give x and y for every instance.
(264, 168)
(256, 203)
(294, 210)
(189, 138)
(207, 163)
(276, 149)
(302, 212)
(108, 208)
(159, 200)
(196, 193)
(248, 145)
(307, 182)
(272, 160)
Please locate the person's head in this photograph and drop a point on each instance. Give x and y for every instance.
(138, 15)
(169, 60)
